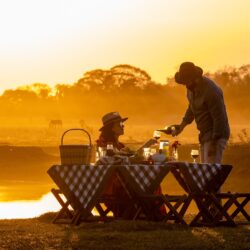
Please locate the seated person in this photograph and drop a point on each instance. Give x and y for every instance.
(112, 129)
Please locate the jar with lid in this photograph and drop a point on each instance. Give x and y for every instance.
(164, 148)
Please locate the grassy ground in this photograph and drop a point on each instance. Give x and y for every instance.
(39, 233)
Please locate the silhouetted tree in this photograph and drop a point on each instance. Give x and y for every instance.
(124, 88)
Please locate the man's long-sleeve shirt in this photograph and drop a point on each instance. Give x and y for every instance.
(207, 108)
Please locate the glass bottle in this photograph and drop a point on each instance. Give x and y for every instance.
(175, 146)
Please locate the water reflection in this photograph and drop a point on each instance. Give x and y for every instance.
(28, 209)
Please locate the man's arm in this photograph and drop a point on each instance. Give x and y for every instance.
(187, 119)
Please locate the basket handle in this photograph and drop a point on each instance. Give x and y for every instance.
(77, 129)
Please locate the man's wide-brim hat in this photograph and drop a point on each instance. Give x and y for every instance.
(111, 118)
(187, 71)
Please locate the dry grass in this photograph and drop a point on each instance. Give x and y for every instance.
(39, 233)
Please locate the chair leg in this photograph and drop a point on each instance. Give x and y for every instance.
(145, 207)
(64, 205)
(173, 209)
(62, 211)
(101, 211)
(240, 208)
(203, 205)
(210, 219)
(76, 220)
(150, 206)
(185, 206)
(222, 210)
(233, 199)
(137, 213)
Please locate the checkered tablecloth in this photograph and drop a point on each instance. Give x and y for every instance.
(80, 183)
(203, 174)
(201, 177)
(146, 176)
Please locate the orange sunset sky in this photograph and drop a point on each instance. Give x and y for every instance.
(56, 41)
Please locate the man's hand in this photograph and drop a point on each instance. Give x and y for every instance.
(168, 131)
(176, 129)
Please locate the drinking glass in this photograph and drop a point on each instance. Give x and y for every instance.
(146, 153)
(110, 149)
(102, 151)
(153, 151)
(157, 134)
(110, 146)
(194, 154)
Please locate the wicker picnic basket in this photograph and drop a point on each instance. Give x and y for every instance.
(75, 154)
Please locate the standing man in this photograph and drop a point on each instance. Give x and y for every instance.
(207, 108)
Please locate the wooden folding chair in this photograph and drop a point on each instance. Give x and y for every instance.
(65, 215)
(121, 206)
(143, 180)
(178, 209)
(202, 182)
(175, 205)
(239, 200)
(82, 186)
(211, 211)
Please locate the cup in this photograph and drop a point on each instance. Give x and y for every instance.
(153, 151)
(157, 134)
(146, 153)
(110, 149)
(194, 154)
(102, 151)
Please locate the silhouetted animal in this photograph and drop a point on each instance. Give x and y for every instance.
(55, 124)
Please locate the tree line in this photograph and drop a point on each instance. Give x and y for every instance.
(124, 88)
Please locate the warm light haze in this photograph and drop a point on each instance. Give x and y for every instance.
(100, 117)
(56, 41)
(28, 209)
